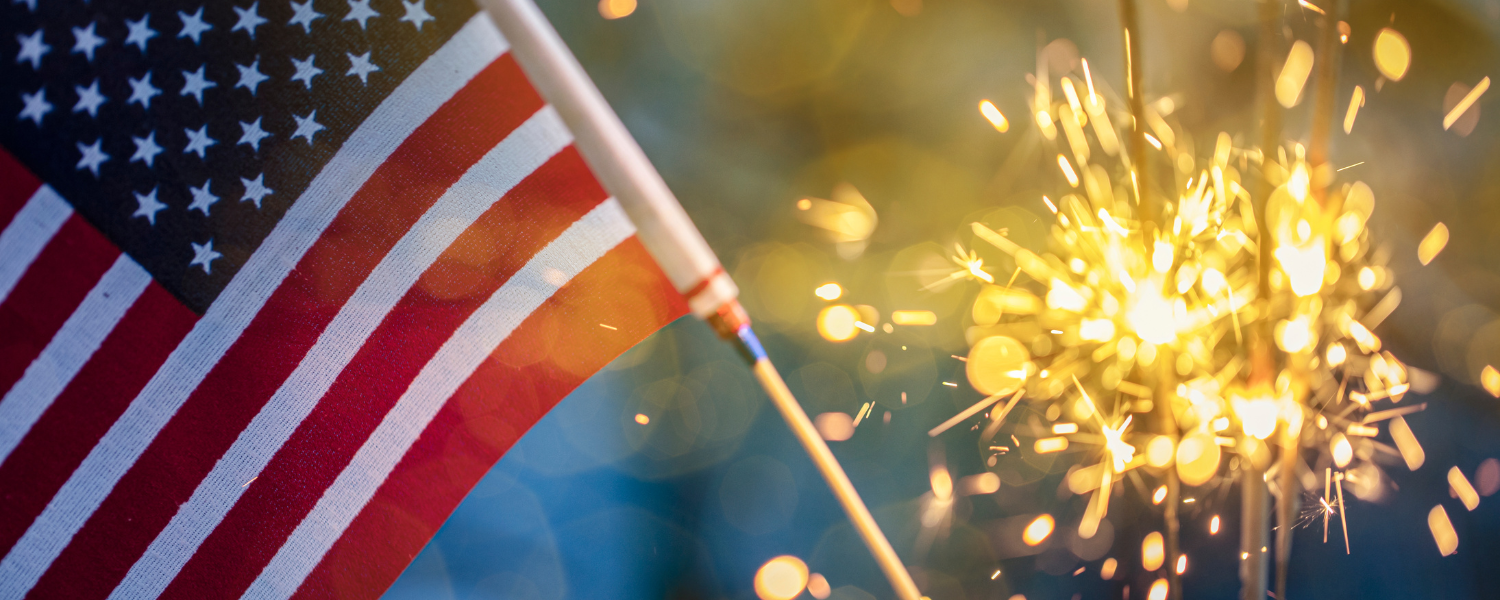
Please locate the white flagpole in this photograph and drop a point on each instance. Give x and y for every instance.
(672, 239)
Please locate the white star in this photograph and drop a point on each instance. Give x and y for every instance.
(362, 67)
(307, 127)
(30, 4)
(250, 77)
(140, 32)
(142, 91)
(305, 15)
(202, 198)
(93, 156)
(37, 106)
(306, 71)
(145, 149)
(193, 25)
(416, 13)
(253, 134)
(249, 20)
(198, 141)
(32, 49)
(148, 206)
(89, 98)
(193, 84)
(359, 10)
(85, 41)
(255, 189)
(203, 254)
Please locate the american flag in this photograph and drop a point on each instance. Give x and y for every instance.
(279, 282)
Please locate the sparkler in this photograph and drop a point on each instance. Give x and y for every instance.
(1143, 296)
(1224, 303)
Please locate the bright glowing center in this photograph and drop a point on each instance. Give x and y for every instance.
(1150, 315)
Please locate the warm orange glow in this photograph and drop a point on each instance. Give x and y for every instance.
(1051, 444)
(1159, 495)
(1152, 552)
(1304, 266)
(781, 578)
(642, 419)
(1392, 54)
(1149, 315)
(1468, 101)
(997, 365)
(835, 426)
(1342, 451)
(1182, 564)
(1299, 64)
(1406, 442)
(1490, 379)
(1067, 169)
(993, 115)
(1462, 488)
(829, 291)
(837, 323)
(1158, 590)
(942, 482)
(817, 586)
(1213, 525)
(1198, 457)
(1096, 330)
(1064, 428)
(913, 317)
(1336, 355)
(1294, 335)
(1038, 530)
(1107, 571)
(983, 483)
(1432, 243)
(1159, 451)
(1162, 257)
(1257, 417)
(616, 9)
(1442, 530)
(1355, 101)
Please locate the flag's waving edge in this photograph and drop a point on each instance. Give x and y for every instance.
(444, 276)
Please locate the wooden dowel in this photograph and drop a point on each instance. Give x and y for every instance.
(838, 481)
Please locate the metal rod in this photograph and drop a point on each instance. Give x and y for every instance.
(1325, 94)
(1134, 86)
(1255, 521)
(1152, 217)
(1255, 517)
(1287, 507)
(1166, 424)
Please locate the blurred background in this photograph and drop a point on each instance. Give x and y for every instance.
(768, 116)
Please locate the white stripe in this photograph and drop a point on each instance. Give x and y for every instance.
(521, 153)
(26, 235)
(583, 243)
(69, 349)
(438, 78)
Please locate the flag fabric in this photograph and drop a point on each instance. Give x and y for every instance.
(279, 282)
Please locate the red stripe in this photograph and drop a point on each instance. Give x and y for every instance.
(467, 126)
(87, 407)
(45, 296)
(17, 184)
(555, 349)
(479, 261)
